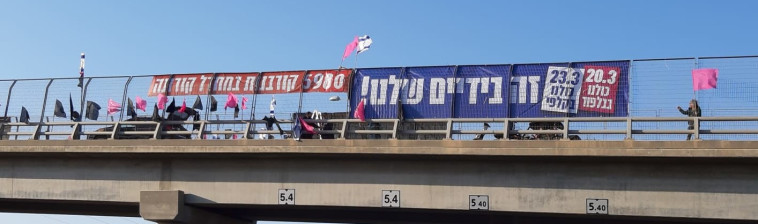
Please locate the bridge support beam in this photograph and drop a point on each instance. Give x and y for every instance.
(169, 207)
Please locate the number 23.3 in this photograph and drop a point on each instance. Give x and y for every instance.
(558, 76)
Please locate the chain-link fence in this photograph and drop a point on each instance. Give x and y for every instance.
(656, 88)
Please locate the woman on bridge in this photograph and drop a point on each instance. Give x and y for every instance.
(692, 111)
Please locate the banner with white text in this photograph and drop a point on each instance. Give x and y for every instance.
(481, 91)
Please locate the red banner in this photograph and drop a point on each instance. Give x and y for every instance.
(235, 83)
(599, 89)
(247, 83)
(180, 85)
(158, 85)
(327, 80)
(190, 84)
(281, 82)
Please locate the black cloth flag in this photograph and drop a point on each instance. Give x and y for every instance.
(198, 105)
(172, 106)
(130, 111)
(24, 115)
(75, 116)
(236, 111)
(59, 112)
(93, 110)
(214, 104)
(156, 117)
(270, 121)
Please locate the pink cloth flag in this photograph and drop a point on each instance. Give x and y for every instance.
(244, 103)
(141, 103)
(231, 101)
(162, 100)
(306, 127)
(704, 78)
(184, 106)
(360, 112)
(350, 47)
(113, 107)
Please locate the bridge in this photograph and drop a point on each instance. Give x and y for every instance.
(509, 143)
(386, 180)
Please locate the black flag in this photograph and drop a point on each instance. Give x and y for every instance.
(198, 104)
(93, 110)
(156, 117)
(236, 111)
(75, 116)
(24, 115)
(270, 121)
(172, 106)
(59, 109)
(214, 104)
(130, 108)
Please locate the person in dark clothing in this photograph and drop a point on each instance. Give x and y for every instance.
(692, 111)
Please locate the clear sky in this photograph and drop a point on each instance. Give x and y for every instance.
(40, 39)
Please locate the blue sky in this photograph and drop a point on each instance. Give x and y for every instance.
(41, 39)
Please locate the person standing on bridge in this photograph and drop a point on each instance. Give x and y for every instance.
(692, 111)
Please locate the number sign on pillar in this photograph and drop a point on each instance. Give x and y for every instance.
(597, 206)
(286, 196)
(479, 202)
(391, 198)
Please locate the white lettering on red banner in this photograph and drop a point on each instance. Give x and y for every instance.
(235, 83)
(326, 81)
(599, 89)
(158, 85)
(281, 82)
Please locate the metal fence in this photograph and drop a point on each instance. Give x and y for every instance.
(657, 86)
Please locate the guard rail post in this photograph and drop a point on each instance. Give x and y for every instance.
(394, 128)
(201, 132)
(506, 129)
(247, 129)
(449, 129)
(35, 134)
(75, 131)
(565, 128)
(157, 132)
(696, 128)
(344, 128)
(114, 132)
(628, 128)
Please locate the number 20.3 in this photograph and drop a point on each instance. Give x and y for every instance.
(596, 75)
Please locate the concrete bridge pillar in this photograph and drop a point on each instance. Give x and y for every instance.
(166, 207)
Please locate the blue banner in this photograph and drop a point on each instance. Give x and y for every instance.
(588, 89)
(427, 92)
(380, 87)
(481, 91)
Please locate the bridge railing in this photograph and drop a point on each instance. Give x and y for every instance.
(561, 128)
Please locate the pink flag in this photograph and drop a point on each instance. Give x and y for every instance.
(184, 106)
(141, 103)
(350, 47)
(244, 103)
(306, 127)
(162, 100)
(231, 101)
(113, 107)
(360, 112)
(704, 78)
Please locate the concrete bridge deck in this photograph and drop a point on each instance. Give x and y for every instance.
(343, 180)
